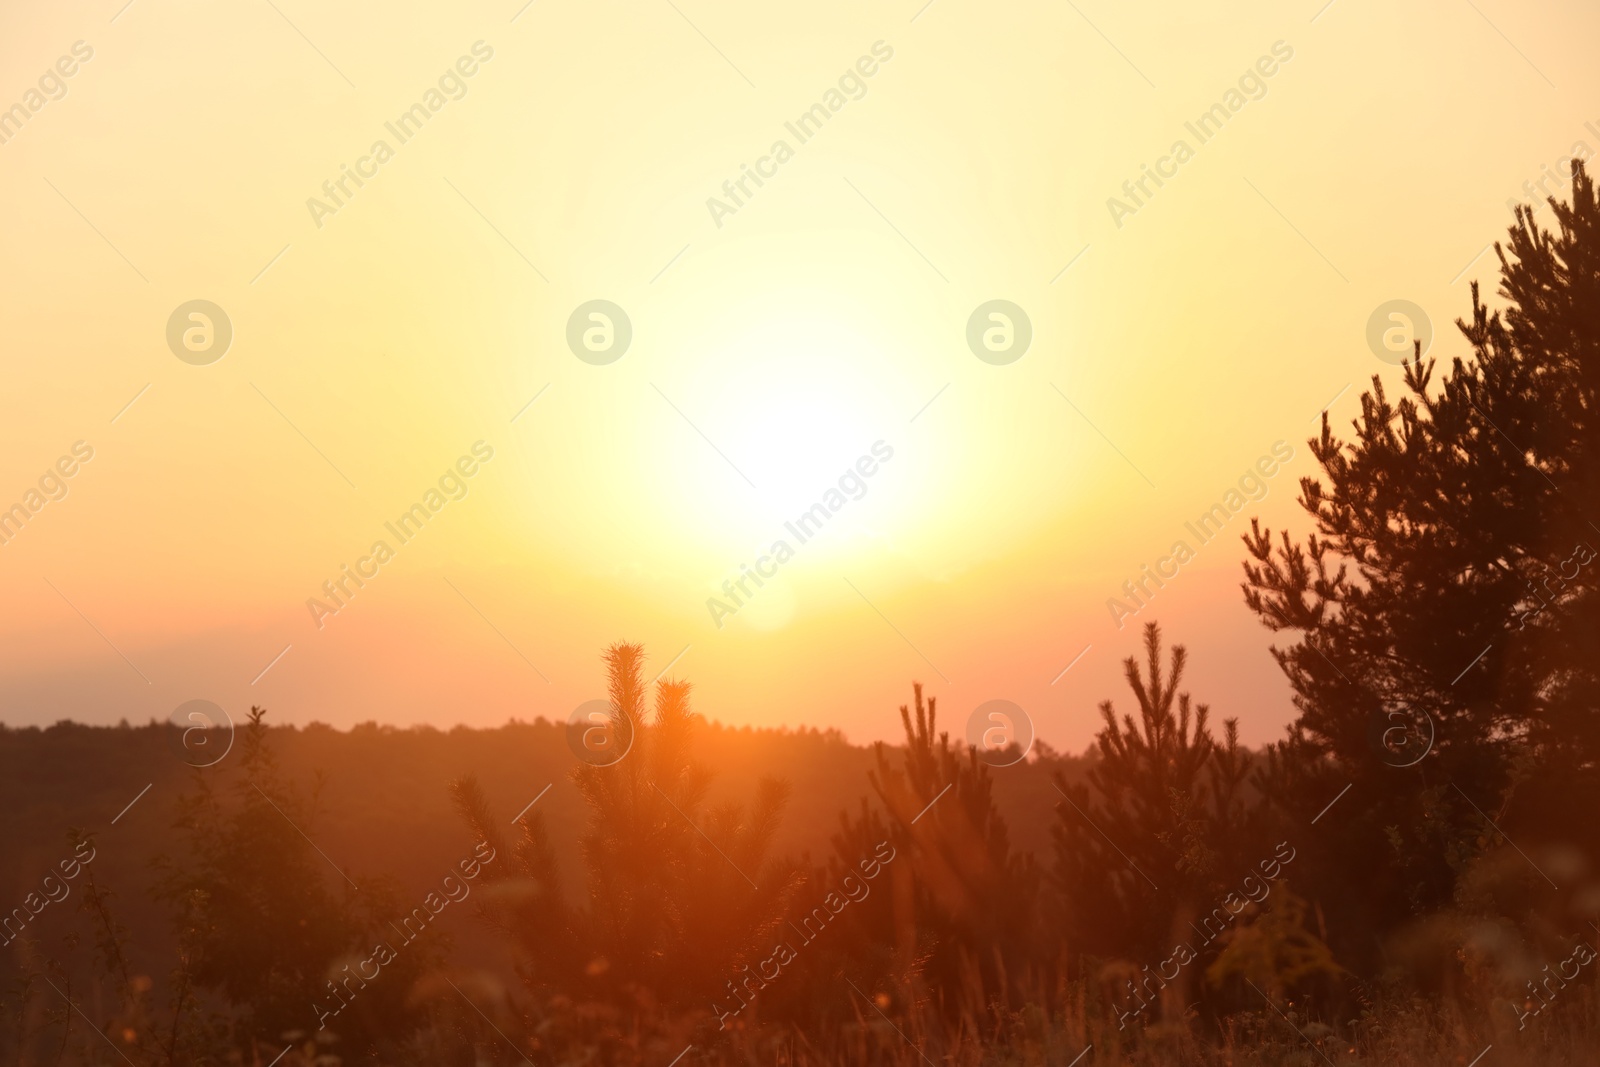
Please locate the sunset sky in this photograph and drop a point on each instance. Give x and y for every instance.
(375, 344)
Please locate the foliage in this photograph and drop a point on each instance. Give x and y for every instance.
(1448, 584)
(1162, 824)
(261, 925)
(680, 894)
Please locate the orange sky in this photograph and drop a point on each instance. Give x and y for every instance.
(570, 153)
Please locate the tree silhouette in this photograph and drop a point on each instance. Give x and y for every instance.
(1147, 843)
(680, 898)
(969, 917)
(258, 925)
(1448, 586)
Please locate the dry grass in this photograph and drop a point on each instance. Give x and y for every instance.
(1403, 1033)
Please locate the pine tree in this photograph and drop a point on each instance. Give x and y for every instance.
(968, 922)
(264, 927)
(1449, 587)
(1161, 826)
(681, 898)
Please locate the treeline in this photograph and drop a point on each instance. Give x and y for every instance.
(213, 910)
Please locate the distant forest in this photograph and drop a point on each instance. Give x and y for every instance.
(384, 804)
(377, 802)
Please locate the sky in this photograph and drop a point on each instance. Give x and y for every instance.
(780, 340)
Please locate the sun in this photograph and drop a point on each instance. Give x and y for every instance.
(795, 398)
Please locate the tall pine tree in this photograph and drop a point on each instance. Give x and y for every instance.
(1450, 585)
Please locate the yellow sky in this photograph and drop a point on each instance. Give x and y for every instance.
(772, 347)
